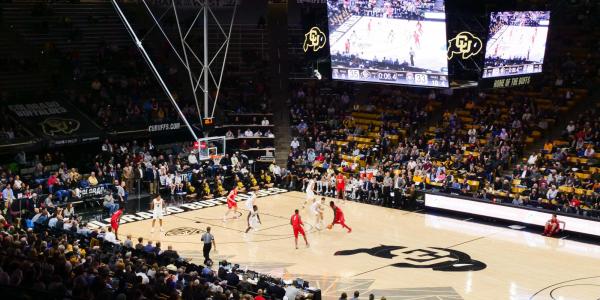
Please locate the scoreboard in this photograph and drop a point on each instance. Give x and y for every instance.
(392, 77)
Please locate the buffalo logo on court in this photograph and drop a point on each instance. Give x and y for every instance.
(437, 259)
(314, 38)
(464, 43)
(183, 231)
(59, 126)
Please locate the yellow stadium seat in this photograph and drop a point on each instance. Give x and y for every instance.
(565, 189)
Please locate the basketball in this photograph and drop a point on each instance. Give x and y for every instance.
(329, 226)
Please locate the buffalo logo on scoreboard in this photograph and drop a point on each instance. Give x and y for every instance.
(437, 259)
(315, 39)
(59, 126)
(464, 43)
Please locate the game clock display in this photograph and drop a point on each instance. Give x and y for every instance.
(516, 43)
(392, 77)
(395, 42)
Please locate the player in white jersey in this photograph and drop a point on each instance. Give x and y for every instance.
(310, 191)
(253, 219)
(158, 207)
(316, 209)
(250, 202)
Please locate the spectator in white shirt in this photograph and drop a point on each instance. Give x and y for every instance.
(248, 133)
(83, 230)
(69, 211)
(17, 184)
(589, 152)
(264, 122)
(571, 127)
(532, 159)
(234, 160)
(277, 170)
(291, 292)
(52, 221)
(192, 159)
(121, 191)
(229, 134)
(295, 144)
(145, 279)
(110, 236)
(552, 192)
(269, 134)
(69, 224)
(48, 202)
(258, 133)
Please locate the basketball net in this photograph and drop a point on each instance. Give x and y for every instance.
(216, 159)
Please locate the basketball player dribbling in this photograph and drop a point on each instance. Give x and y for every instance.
(253, 219)
(310, 191)
(158, 206)
(338, 217)
(417, 39)
(231, 204)
(297, 224)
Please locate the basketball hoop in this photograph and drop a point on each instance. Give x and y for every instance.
(216, 159)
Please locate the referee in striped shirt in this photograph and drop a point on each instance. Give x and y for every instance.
(209, 242)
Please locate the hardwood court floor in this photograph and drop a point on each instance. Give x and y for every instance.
(397, 254)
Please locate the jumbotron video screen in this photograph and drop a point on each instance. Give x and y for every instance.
(396, 42)
(516, 43)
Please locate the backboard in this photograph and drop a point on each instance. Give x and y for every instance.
(208, 147)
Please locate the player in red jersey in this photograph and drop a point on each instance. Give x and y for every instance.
(340, 185)
(347, 46)
(338, 217)
(553, 226)
(115, 219)
(231, 204)
(417, 39)
(419, 27)
(297, 224)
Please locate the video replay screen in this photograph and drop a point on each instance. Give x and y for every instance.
(395, 42)
(516, 43)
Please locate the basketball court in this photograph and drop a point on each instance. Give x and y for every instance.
(392, 253)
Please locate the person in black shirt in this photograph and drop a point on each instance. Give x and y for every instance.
(232, 278)
(170, 254)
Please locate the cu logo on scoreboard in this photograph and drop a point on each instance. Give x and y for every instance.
(465, 44)
(315, 39)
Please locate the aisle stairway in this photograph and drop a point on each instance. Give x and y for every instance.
(277, 28)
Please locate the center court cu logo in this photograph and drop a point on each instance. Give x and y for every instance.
(183, 231)
(464, 43)
(314, 38)
(437, 259)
